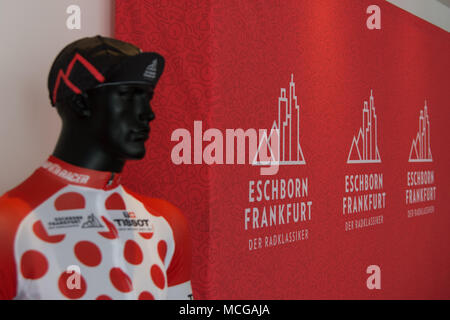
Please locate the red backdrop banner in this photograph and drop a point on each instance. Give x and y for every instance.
(358, 207)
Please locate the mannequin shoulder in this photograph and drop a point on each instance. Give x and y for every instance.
(164, 208)
(12, 211)
(15, 203)
(24, 198)
(11, 206)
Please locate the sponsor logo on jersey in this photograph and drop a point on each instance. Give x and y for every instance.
(80, 221)
(67, 175)
(92, 222)
(128, 221)
(65, 222)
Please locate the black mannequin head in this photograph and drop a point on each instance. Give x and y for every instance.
(102, 89)
(105, 126)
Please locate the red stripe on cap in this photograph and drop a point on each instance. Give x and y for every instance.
(87, 65)
(65, 75)
(73, 87)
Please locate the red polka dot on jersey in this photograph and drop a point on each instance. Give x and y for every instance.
(120, 280)
(115, 202)
(72, 285)
(112, 233)
(158, 276)
(70, 201)
(41, 233)
(146, 235)
(33, 265)
(132, 252)
(162, 249)
(145, 295)
(103, 297)
(88, 253)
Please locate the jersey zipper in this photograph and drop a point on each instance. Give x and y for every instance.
(111, 179)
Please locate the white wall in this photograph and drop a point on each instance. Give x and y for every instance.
(31, 35)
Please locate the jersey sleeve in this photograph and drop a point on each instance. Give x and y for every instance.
(8, 227)
(14, 206)
(179, 269)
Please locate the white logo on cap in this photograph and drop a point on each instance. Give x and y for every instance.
(150, 71)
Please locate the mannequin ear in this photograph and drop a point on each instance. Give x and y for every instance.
(80, 105)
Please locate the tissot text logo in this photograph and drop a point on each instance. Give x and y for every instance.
(281, 146)
(128, 221)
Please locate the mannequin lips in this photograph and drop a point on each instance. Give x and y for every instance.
(140, 134)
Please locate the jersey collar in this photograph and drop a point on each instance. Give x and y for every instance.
(72, 174)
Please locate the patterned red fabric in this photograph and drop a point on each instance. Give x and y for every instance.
(183, 93)
(226, 62)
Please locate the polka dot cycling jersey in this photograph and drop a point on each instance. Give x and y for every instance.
(74, 233)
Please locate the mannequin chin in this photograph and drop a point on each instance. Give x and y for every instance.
(106, 126)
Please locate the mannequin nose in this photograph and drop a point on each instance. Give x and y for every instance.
(152, 115)
(147, 116)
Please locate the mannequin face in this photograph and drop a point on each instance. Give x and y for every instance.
(120, 117)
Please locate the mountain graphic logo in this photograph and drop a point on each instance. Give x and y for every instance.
(287, 131)
(364, 148)
(150, 71)
(420, 146)
(92, 222)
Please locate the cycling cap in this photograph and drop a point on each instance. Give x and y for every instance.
(93, 61)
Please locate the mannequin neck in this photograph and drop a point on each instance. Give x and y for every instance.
(81, 151)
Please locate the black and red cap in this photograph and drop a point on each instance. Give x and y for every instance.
(97, 61)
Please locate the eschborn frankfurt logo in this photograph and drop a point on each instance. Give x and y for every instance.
(286, 131)
(420, 147)
(280, 147)
(92, 222)
(364, 147)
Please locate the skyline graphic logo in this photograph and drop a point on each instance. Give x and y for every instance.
(420, 146)
(364, 148)
(286, 131)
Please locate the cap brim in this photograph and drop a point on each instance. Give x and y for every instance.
(144, 68)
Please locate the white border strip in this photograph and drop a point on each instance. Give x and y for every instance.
(432, 11)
